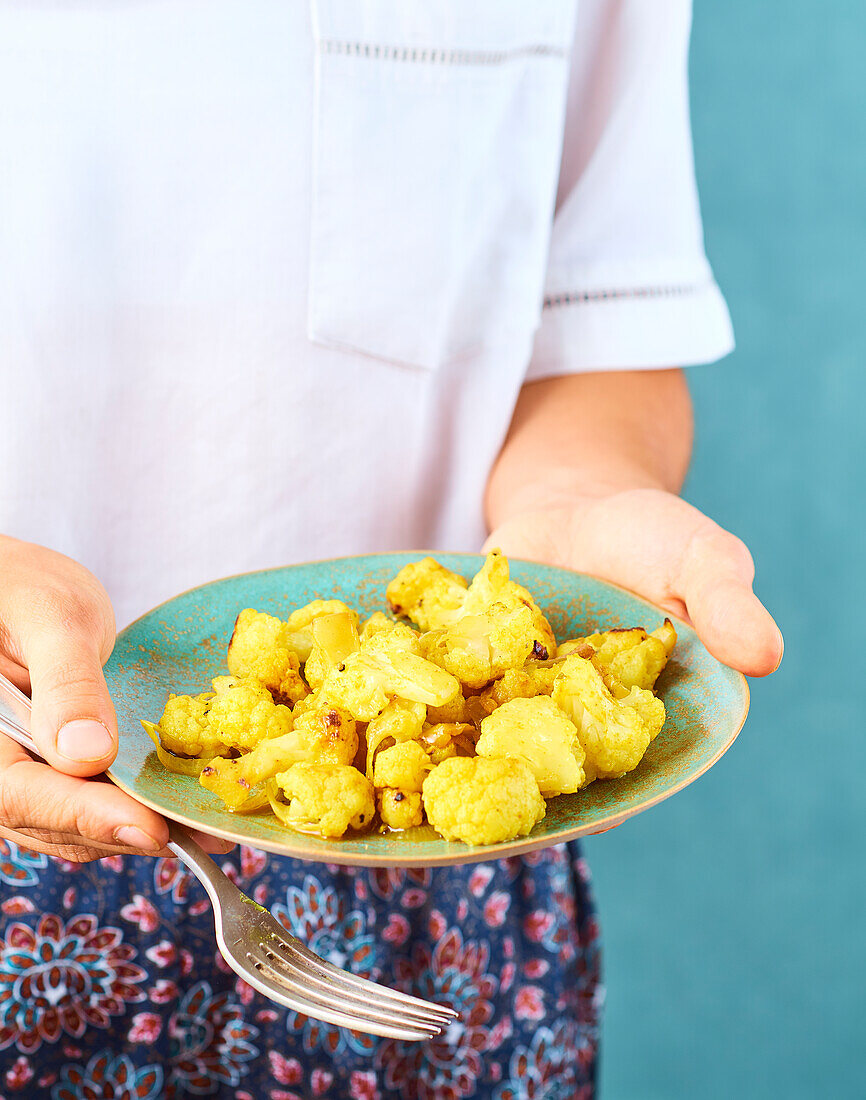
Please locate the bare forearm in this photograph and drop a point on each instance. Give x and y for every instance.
(590, 435)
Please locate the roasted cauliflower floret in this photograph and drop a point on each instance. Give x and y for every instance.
(324, 735)
(537, 731)
(479, 648)
(396, 637)
(403, 766)
(434, 598)
(366, 682)
(298, 624)
(492, 586)
(186, 743)
(481, 801)
(325, 799)
(334, 638)
(245, 713)
(259, 649)
(427, 593)
(399, 809)
(615, 733)
(237, 715)
(632, 657)
(648, 706)
(497, 627)
(330, 733)
(184, 728)
(377, 622)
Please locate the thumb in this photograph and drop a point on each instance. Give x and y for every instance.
(73, 721)
(732, 622)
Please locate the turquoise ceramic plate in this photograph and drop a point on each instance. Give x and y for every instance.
(181, 646)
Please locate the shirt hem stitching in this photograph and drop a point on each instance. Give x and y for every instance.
(377, 52)
(587, 297)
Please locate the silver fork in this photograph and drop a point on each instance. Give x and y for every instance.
(258, 948)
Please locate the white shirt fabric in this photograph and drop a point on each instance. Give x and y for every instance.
(272, 275)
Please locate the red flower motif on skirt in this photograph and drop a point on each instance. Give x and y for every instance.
(170, 876)
(496, 907)
(480, 880)
(397, 929)
(253, 862)
(529, 1003)
(537, 925)
(141, 912)
(13, 907)
(285, 1070)
(387, 882)
(321, 1080)
(61, 978)
(363, 1086)
(18, 1075)
(163, 991)
(535, 968)
(163, 953)
(146, 1028)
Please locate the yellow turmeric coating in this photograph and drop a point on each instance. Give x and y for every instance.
(615, 733)
(482, 801)
(260, 649)
(325, 799)
(460, 713)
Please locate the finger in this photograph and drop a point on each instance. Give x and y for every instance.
(716, 579)
(37, 799)
(658, 545)
(78, 849)
(73, 721)
(74, 849)
(216, 845)
(14, 672)
(120, 813)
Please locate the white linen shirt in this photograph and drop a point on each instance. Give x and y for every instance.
(272, 275)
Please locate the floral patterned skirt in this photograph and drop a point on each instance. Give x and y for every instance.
(111, 986)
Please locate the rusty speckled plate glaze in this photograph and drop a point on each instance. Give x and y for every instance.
(181, 645)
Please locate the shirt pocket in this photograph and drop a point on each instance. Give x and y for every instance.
(437, 141)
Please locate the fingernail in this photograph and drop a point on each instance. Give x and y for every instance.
(130, 836)
(84, 740)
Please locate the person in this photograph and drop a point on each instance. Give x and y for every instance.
(281, 283)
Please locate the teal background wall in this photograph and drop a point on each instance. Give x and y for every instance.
(735, 914)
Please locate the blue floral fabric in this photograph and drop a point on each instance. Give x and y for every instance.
(111, 985)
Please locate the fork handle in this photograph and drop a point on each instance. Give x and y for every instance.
(218, 885)
(15, 713)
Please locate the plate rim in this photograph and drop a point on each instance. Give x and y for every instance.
(466, 853)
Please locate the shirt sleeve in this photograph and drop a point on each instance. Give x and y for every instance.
(628, 284)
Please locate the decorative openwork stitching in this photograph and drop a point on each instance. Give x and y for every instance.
(582, 297)
(377, 52)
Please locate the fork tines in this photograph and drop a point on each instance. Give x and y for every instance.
(290, 973)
